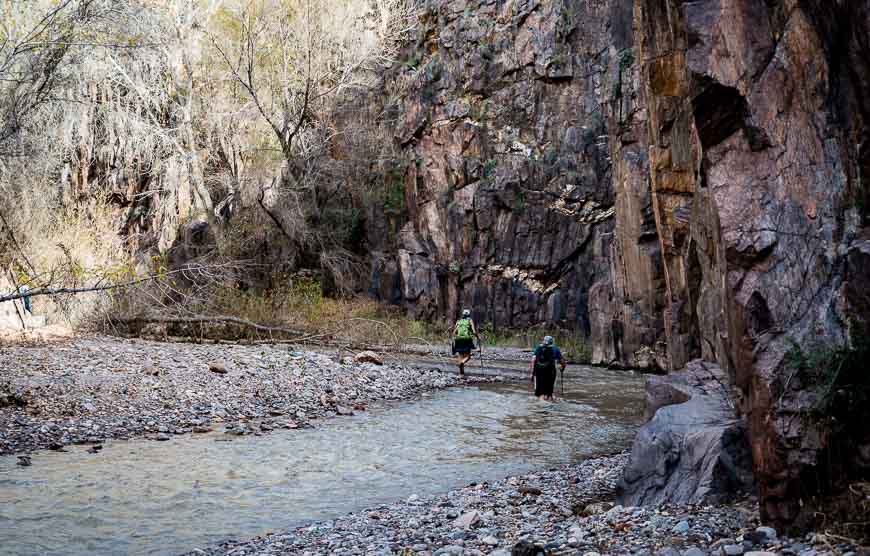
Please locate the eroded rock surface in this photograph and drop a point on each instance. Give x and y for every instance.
(507, 188)
(678, 180)
(757, 143)
(695, 448)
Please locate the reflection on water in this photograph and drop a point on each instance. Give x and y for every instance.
(156, 498)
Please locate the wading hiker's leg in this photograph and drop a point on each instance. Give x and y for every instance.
(463, 360)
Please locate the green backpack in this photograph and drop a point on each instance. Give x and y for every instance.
(545, 359)
(463, 329)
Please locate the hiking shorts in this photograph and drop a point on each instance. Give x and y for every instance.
(545, 381)
(463, 346)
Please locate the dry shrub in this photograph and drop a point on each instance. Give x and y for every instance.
(68, 247)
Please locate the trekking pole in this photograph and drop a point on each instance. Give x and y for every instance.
(480, 353)
(563, 383)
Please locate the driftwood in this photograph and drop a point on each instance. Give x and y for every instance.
(211, 320)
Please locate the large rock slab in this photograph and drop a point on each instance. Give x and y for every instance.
(694, 449)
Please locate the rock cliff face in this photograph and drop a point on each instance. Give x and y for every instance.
(510, 208)
(680, 180)
(757, 143)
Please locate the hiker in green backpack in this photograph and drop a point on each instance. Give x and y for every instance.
(464, 333)
(542, 372)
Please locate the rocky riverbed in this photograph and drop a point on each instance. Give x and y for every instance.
(555, 512)
(89, 390)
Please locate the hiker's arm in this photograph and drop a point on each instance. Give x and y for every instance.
(562, 363)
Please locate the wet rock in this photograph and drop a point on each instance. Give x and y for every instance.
(532, 491)
(24, 461)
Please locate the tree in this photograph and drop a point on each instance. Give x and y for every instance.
(295, 61)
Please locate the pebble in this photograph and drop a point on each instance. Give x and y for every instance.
(681, 528)
(505, 522)
(137, 388)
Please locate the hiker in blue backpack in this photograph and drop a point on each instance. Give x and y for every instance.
(542, 372)
(464, 333)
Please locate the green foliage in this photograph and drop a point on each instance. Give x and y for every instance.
(520, 197)
(626, 59)
(394, 196)
(489, 167)
(413, 60)
(837, 374)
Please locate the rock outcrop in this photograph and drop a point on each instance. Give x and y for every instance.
(757, 139)
(507, 189)
(679, 180)
(695, 448)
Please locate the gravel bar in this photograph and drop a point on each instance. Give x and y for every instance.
(93, 389)
(564, 511)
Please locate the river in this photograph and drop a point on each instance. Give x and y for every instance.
(145, 497)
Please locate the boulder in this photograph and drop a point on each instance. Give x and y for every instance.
(694, 448)
(217, 367)
(368, 357)
(468, 520)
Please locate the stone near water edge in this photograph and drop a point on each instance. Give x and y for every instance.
(217, 367)
(668, 551)
(694, 449)
(694, 551)
(490, 541)
(368, 357)
(769, 532)
(759, 553)
(733, 550)
(681, 528)
(343, 410)
(531, 491)
(24, 461)
(468, 520)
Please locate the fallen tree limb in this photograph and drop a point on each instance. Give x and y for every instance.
(213, 320)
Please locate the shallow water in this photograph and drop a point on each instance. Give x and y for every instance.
(143, 497)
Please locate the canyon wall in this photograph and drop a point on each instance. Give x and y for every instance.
(509, 207)
(679, 180)
(757, 144)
